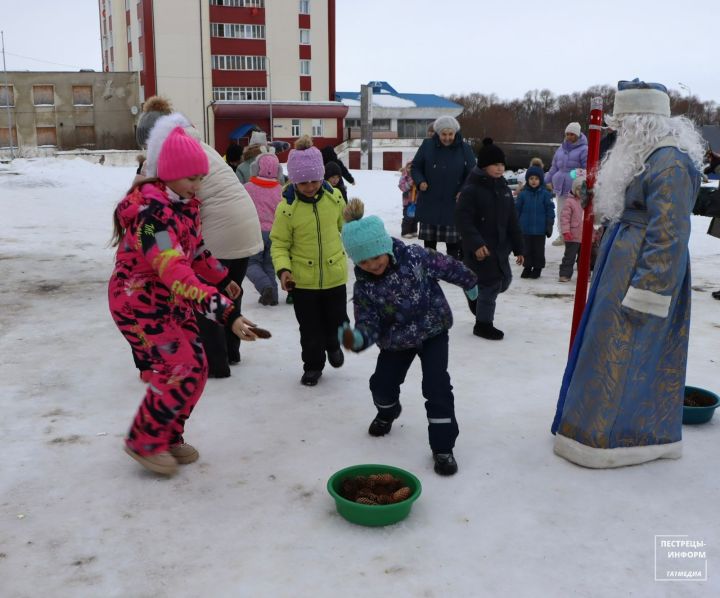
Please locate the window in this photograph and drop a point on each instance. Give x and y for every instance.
(304, 96)
(295, 128)
(43, 95)
(304, 7)
(304, 67)
(82, 95)
(317, 128)
(222, 62)
(304, 36)
(85, 136)
(241, 3)
(238, 93)
(413, 128)
(237, 30)
(7, 95)
(46, 136)
(381, 124)
(5, 138)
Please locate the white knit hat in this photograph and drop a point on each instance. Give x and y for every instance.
(574, 128)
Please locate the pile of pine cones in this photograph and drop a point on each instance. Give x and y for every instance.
(380, 489)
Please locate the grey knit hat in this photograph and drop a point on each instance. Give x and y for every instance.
(446, 122)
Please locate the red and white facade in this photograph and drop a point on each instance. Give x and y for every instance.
(229, 63)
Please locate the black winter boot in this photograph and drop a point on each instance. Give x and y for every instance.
(310, 378)
(526, 273)
(336, 357)
(488, 331)
(379, 426)
(445, 463)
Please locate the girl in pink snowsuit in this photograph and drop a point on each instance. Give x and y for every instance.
(154, 289)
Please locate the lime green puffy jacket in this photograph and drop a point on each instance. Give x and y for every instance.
(306, 238)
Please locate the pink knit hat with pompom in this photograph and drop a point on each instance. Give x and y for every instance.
(181, 157)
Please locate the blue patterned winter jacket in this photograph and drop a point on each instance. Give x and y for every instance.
(405, 305)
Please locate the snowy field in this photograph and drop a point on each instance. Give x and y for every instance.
(252, 518)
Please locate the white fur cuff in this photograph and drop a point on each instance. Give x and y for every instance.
(647, 302)
(598, 458)
(641, 101)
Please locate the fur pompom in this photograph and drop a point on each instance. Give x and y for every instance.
(354, 210)
(157, 104)
(487, 141)
(304, 142)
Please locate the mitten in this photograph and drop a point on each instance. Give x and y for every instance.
(568, 237)
(548, 229)
(472, 294)
(350, 338)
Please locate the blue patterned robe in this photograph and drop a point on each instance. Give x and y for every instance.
(622, 393)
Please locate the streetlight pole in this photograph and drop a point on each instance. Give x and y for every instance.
(7, 105)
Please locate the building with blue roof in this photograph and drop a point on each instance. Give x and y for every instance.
(400, 122)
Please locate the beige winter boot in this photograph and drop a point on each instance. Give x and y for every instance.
(184, 453)
(163, 463)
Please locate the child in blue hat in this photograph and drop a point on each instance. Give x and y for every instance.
(400, 306)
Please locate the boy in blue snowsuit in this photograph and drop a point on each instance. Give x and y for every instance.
(536, 215)
(400, 306)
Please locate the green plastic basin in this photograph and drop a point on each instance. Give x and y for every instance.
(373, 515)
(700, 415)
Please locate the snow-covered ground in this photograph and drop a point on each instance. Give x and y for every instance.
(252, 518)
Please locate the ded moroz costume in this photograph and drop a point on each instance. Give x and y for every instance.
(622, 393)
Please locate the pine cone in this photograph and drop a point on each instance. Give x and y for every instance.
(365, 501)
(402, 494)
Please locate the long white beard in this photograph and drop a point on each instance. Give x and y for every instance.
(621, 165)
(638, 134)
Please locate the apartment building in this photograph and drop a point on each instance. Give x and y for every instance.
(232, 65)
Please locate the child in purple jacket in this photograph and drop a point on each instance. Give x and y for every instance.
(400, 306)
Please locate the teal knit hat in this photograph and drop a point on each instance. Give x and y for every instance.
(364, 238)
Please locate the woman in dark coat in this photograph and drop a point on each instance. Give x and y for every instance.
(439, 169)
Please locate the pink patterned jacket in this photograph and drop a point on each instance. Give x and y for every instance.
(162, 250)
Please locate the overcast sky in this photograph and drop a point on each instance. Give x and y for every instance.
(452, 46)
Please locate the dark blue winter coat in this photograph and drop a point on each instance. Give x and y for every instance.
(535, 209)
(444, 169)
(405, 305)
(486, 216)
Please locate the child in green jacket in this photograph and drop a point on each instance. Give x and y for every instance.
(309, 258)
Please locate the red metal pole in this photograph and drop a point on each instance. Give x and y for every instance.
(581, 288)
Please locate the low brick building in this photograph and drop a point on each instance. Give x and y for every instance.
(68, 110)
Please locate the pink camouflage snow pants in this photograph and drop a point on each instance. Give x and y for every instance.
(165, 335)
